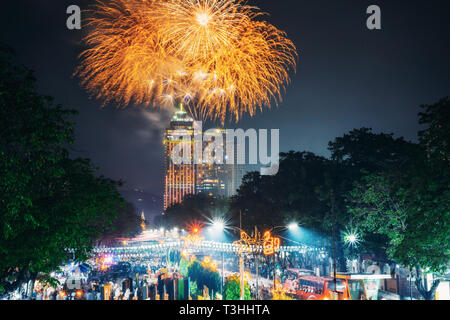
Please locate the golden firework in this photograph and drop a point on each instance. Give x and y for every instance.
(196, 29)
(212, 55)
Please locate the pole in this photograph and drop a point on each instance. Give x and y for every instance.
(241, 260)
(167, 251)
(274, 274)
(334, 239)
(241, 272)
(257, 276)
(256, 264)
(223, 271)
(410, 284)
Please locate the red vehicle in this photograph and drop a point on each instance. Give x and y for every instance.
(322, 288)
(292, 275)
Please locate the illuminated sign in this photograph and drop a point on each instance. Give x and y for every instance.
(270, 244)
(246, 242)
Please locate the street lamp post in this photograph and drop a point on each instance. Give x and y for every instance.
(269, 244)
(274, 259)
(257, 266)
(244, 245)
(334, 240)
(223, 271)
(274, 274)
(241, 275)
(257, 276)
(241, 261)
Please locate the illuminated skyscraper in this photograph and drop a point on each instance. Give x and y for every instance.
(212, 173)
(210, 176)
(179, 178)
(218, 178)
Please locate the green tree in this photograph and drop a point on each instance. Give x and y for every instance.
(127, 224)
(353, 155)
(313, 190)
(256, 202)
(193, 289)
(203, 277)
(413, 213)
(49, 202)
(435, 138)
(361, 149)
(183, 267)
(409, 201)
(301, 191)
(195, 207)
(232, 289)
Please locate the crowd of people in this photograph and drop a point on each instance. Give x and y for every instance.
(107, 278)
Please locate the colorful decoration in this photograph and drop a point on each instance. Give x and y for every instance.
(246, 243)
(209, 264)
(192, 239)
(280, 293)
(143, 225)
(270, 244)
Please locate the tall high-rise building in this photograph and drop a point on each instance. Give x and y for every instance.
(179, 178)
(211, 176)
(212, 173)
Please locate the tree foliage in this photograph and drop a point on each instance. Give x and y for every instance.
(435, 138)
(394, 191)
(232, 289)
(409, 201)
(49, 202)
(127, 224)
(203, 277)
(183, 267)
(195, 207)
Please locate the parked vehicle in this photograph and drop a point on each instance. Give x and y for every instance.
(322, 288)
(291, 278)
(363, 286)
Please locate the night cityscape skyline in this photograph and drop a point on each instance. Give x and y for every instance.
(255, 150)
(348, 77)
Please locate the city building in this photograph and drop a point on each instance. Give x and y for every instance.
(212, 176)
(180, 179)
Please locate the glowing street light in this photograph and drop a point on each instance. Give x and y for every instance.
(218, 225)
(195, 227)
(352, 238)
(293, 226)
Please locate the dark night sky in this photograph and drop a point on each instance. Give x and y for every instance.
(348, 77)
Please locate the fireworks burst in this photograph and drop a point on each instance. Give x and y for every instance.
(197, 29)
(211, 55)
